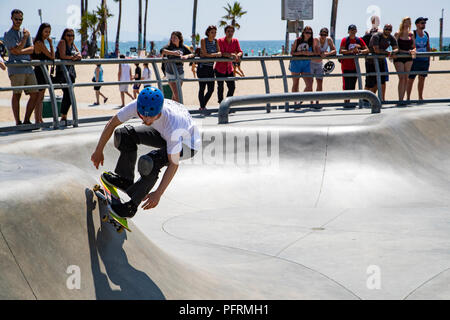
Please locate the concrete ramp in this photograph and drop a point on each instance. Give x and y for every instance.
(51, 233)
(354, 208)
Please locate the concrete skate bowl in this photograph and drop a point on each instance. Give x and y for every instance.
(334, 207)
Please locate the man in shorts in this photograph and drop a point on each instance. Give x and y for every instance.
(352, 45)
(379, 44)
(420, 63)
(20, 47)
(168, 127)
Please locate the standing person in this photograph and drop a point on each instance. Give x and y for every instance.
(42, 53)
(175, 49)
(325, 47)
(146, 74)
(302, 46)
(422, 39)
(124, 75)
(18, 42)
(193, 65)
(406, 45)
(352, 45)
(168, 127)
(2, 63)
(137, 76)
(98, 77)
(209, 49)
(230, 48)
(367, 37)
(67, 50)
(379, 43)
(237, 70)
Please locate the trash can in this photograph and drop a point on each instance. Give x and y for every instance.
(47, 107)
(167, 91)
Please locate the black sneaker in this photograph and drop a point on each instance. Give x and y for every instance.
(116, 181)
(124, 210)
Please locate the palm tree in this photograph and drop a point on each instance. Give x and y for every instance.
(89, 24)
(140, 26)
(116, 50)
(194, 24)
(145, 24)
(84, 8)
(233, 13)
(103, 14)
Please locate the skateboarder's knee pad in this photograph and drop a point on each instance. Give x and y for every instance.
(125, 138)
(151, 163)
(145, 165)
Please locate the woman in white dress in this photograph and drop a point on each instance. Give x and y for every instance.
(124, 75)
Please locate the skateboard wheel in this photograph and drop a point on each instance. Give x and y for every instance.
(96, 187)
(120, 229)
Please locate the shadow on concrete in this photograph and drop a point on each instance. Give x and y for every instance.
(107, 245)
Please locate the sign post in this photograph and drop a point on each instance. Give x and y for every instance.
(294, 12)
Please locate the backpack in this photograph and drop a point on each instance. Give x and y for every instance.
(347, 44)
(428, 36)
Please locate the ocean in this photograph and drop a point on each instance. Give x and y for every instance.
(250, 47)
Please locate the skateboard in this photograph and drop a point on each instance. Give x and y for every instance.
(109, 195)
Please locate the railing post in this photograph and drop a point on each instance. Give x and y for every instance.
(157, 75)
(285, 83)
(72, 96)
(360, 86)
(266, 83)
(377, 69)
(51, 92)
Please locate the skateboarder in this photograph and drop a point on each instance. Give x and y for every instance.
(168, 127)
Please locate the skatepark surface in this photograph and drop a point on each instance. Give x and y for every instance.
(334, 204)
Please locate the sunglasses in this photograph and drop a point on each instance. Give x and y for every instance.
(387, 29)
(324, 34)
(18, 19)
(70, 35)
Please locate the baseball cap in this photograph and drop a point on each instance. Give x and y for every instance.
(420, 19)
(352, 27)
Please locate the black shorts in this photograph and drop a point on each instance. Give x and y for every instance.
(402, 60)
(349, 82)
(371, 81)
(420, 65)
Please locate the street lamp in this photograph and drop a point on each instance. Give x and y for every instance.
(40, 14)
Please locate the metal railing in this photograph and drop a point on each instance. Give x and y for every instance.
(225, 105)
(159, 81)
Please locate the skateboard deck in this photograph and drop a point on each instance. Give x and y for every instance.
(109, 195)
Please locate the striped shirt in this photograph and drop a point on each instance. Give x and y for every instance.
(211, 47)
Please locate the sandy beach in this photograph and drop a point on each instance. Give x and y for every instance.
(436, 86)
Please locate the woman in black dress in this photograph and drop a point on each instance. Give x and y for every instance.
(42, 53)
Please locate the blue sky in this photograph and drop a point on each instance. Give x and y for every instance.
(262, 22)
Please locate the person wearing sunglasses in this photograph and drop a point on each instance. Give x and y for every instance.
(422, 39)
(352, 45)
(67, 50)
(20, 47)
(325, 47)
(302, 46)
(379, 45)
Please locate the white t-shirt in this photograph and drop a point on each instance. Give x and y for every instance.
(146, 74)
(125, 75)
(175, 125)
